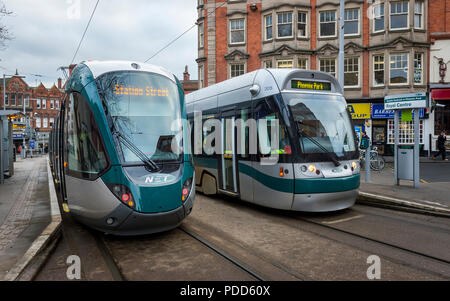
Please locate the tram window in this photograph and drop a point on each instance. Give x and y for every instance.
(84, 148)
(268, 111)
(244, 127)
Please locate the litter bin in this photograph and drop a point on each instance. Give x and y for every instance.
(405, 164)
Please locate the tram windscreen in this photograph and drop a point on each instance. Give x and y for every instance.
(143, 107)
(322, 122)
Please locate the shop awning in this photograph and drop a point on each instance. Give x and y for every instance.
(440, 94)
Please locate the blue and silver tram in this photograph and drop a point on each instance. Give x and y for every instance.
(316, 166)
(117, 148)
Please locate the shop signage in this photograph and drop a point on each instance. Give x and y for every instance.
(378, 112)
(359, 110)
(405, 101)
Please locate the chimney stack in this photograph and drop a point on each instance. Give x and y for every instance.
(59, 83)
(186, 75)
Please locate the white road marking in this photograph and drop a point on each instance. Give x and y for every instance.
(343, 220)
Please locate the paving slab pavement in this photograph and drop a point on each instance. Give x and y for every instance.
(433, 195)
(25, 211)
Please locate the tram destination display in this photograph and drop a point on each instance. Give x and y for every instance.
(310, 85)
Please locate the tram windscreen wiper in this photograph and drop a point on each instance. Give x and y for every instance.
(321, 147)
(150, 165)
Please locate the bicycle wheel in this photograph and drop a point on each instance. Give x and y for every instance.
(374, 161)
(381, 163)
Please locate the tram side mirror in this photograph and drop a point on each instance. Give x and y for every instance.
(254, 90)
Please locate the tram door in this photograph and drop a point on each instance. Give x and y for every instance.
(228, 164)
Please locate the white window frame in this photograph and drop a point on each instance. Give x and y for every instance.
(335, 23)
(267, 26)
(38, 103)
(406, 132)
(353, 20)
(303, 59)
(266, 64)
(292, 24)
(45, 122)
(52, 104)
(56, 104)
(359, 71)
(325, 67)
(375, 16)
(374, 70)
(236, 64)
(286, 62)
(390, 69)
(52, 122)
(306, 24)
(38, 122)
(422, 56)
(233, 30)
(390, 16)
(422, 19)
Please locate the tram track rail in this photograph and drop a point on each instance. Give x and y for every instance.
(222, 254)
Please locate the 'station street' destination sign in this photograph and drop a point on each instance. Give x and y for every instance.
(405, 101)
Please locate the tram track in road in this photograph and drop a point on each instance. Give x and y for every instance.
(223, 254)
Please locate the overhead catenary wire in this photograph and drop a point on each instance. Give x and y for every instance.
(84, 33)
(185, 32)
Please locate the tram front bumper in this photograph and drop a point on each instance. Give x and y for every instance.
(323, 202)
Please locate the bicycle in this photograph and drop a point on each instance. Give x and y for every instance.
(377, 162)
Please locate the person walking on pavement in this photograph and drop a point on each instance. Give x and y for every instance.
(364, 141)
(441, 146)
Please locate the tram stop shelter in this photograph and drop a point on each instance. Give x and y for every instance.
(406, 161)
(6, 143)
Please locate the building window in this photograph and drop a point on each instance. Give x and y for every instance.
(201, 77)
(418, 68)
(418, 14)
(328, 24)
(285, 64)
(406, 134)
(7, 99)
(378, 18)
(27, 100)
(44, 104)
(45, 125)
(302, 64)
(329, 66)
(201, 35)
(237, 31)
(38, 103)
(13, 99)
(399, 68)
(52, 121)
(284, 25)
(351, 22)
(441, 118)
(301, 24)
(268, 64)
(399, 15)
(38, 122)
(351, 72)
(237, 69)
(268, 27)
(57, 104)
(52, 104)
(378, 70)
(19, 99)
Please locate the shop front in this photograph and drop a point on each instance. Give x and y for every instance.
(440, 97)
(360, 113)
(383, 129)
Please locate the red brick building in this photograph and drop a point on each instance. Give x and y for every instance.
(188, 84)
(41, 104)
(387, 48)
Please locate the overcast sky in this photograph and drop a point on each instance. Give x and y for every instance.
(47, 33)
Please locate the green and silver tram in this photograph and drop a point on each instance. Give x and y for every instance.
(313, 166)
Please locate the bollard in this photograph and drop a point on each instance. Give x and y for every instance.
(367, 164)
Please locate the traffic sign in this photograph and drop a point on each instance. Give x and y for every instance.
(405, 101)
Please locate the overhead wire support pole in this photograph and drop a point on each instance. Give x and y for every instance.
(341, 44)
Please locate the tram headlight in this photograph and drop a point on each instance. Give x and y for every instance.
(123, 194)
(312, 168)
(186, 190)
(354, 165)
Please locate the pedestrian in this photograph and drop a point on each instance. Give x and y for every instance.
(364, 141)
(441, 146)
(19, 149)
